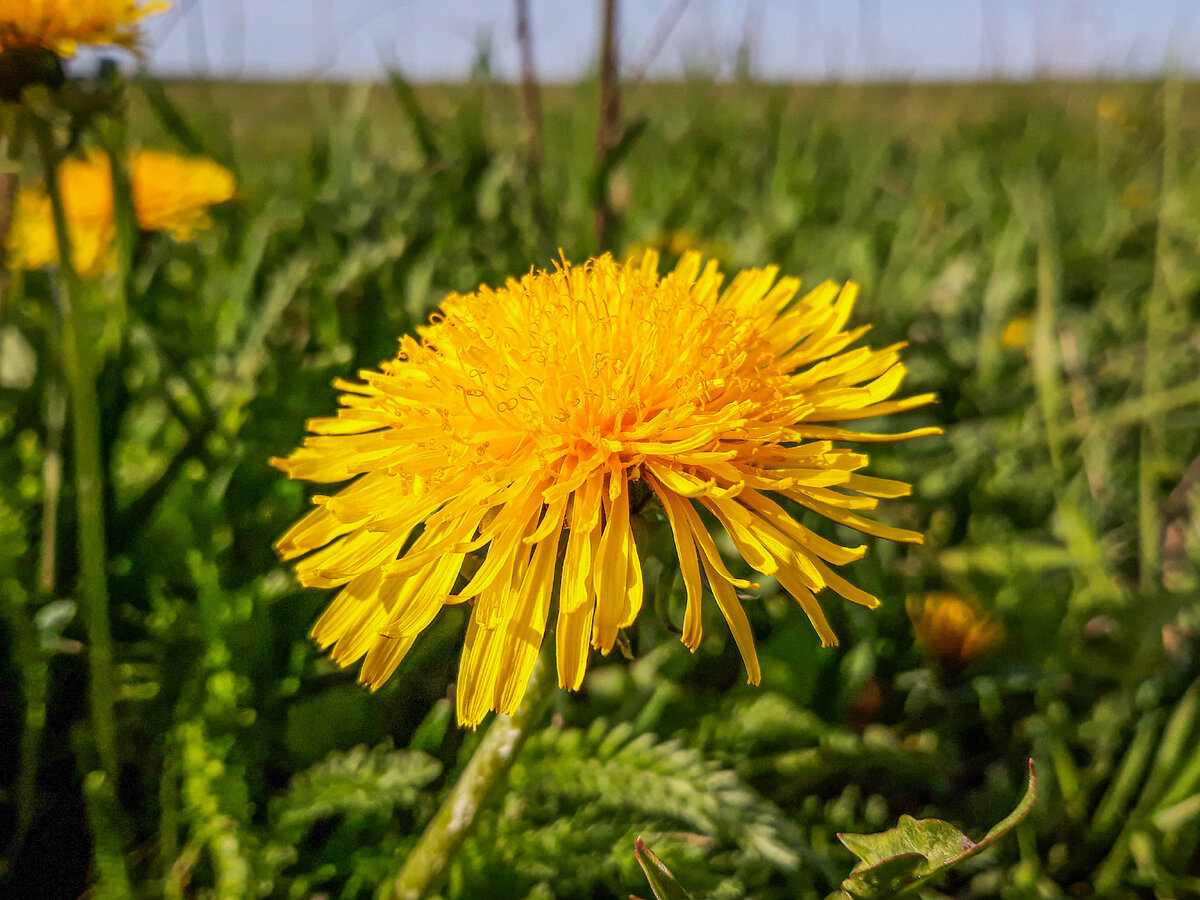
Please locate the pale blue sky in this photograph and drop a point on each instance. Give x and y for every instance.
(791, 39)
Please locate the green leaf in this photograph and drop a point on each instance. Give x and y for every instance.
(900, 859)
(355, 783)
(662, 882)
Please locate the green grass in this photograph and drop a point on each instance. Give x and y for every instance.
(1061, 497)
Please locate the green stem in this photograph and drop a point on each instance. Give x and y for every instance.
(1045, 329)
(1158, 312)
(79, 368)
(485, 771)
(33, 662)
(109, 872)
(30, 662)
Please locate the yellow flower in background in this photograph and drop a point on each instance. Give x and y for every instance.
(676, 243)
(1136, 196)
(86, 186)
(1016, 333)
(171, 193)
(1110, 109)
(542, 412)
(681, 242)
(61, 25)
(953, 629)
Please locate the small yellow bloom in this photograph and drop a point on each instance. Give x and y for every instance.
(86, 186)
(1110, 109)
(171, 193)
(1136, 196)
(675, 244)
(539, 412)
(1016, 333)
(61, 25)
(681, 242)
(952, 629)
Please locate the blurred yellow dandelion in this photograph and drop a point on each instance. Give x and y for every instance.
(61, 25)
(543, 410)
(1135, 196)
(86, 186)
(1110, 109)
(171, 193)
(681, 242)
(675, 244)
(1016, 333)
(953, 629)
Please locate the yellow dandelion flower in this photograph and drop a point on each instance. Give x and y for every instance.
(1110, 109)
(1016, 333)
(532, 413)
(86, 186)
(171, 193)
(953, 629)
(61, 25)
(675, 244)
(681, 242)
(1136, 196)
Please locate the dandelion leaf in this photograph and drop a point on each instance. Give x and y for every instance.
(896, 862)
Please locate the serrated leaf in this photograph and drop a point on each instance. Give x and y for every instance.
(359, 781)
(585, 795)
(897, 860)
(662, 882)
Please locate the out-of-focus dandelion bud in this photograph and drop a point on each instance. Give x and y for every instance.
(953, 630)
(1016, 333)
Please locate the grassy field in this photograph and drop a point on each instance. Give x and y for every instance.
(1036, 246)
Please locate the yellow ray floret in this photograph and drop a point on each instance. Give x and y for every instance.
(171, 193)
(513, 426)
(61, 25)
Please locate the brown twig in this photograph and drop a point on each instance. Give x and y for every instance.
(658, 40)
(608, 135)
(535, 145)
(52, 470)
(8, 193)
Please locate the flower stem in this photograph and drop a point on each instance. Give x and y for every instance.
(484, 772)
(1161, 317)
(79, 368)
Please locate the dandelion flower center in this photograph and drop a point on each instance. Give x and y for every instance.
(524, 413)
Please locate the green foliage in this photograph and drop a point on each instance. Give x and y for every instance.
(894, 863)
(588, 794)
(350, 806)
(1063, 497)
(901, 859)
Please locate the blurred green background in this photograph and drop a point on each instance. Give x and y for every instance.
(1035, 244)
